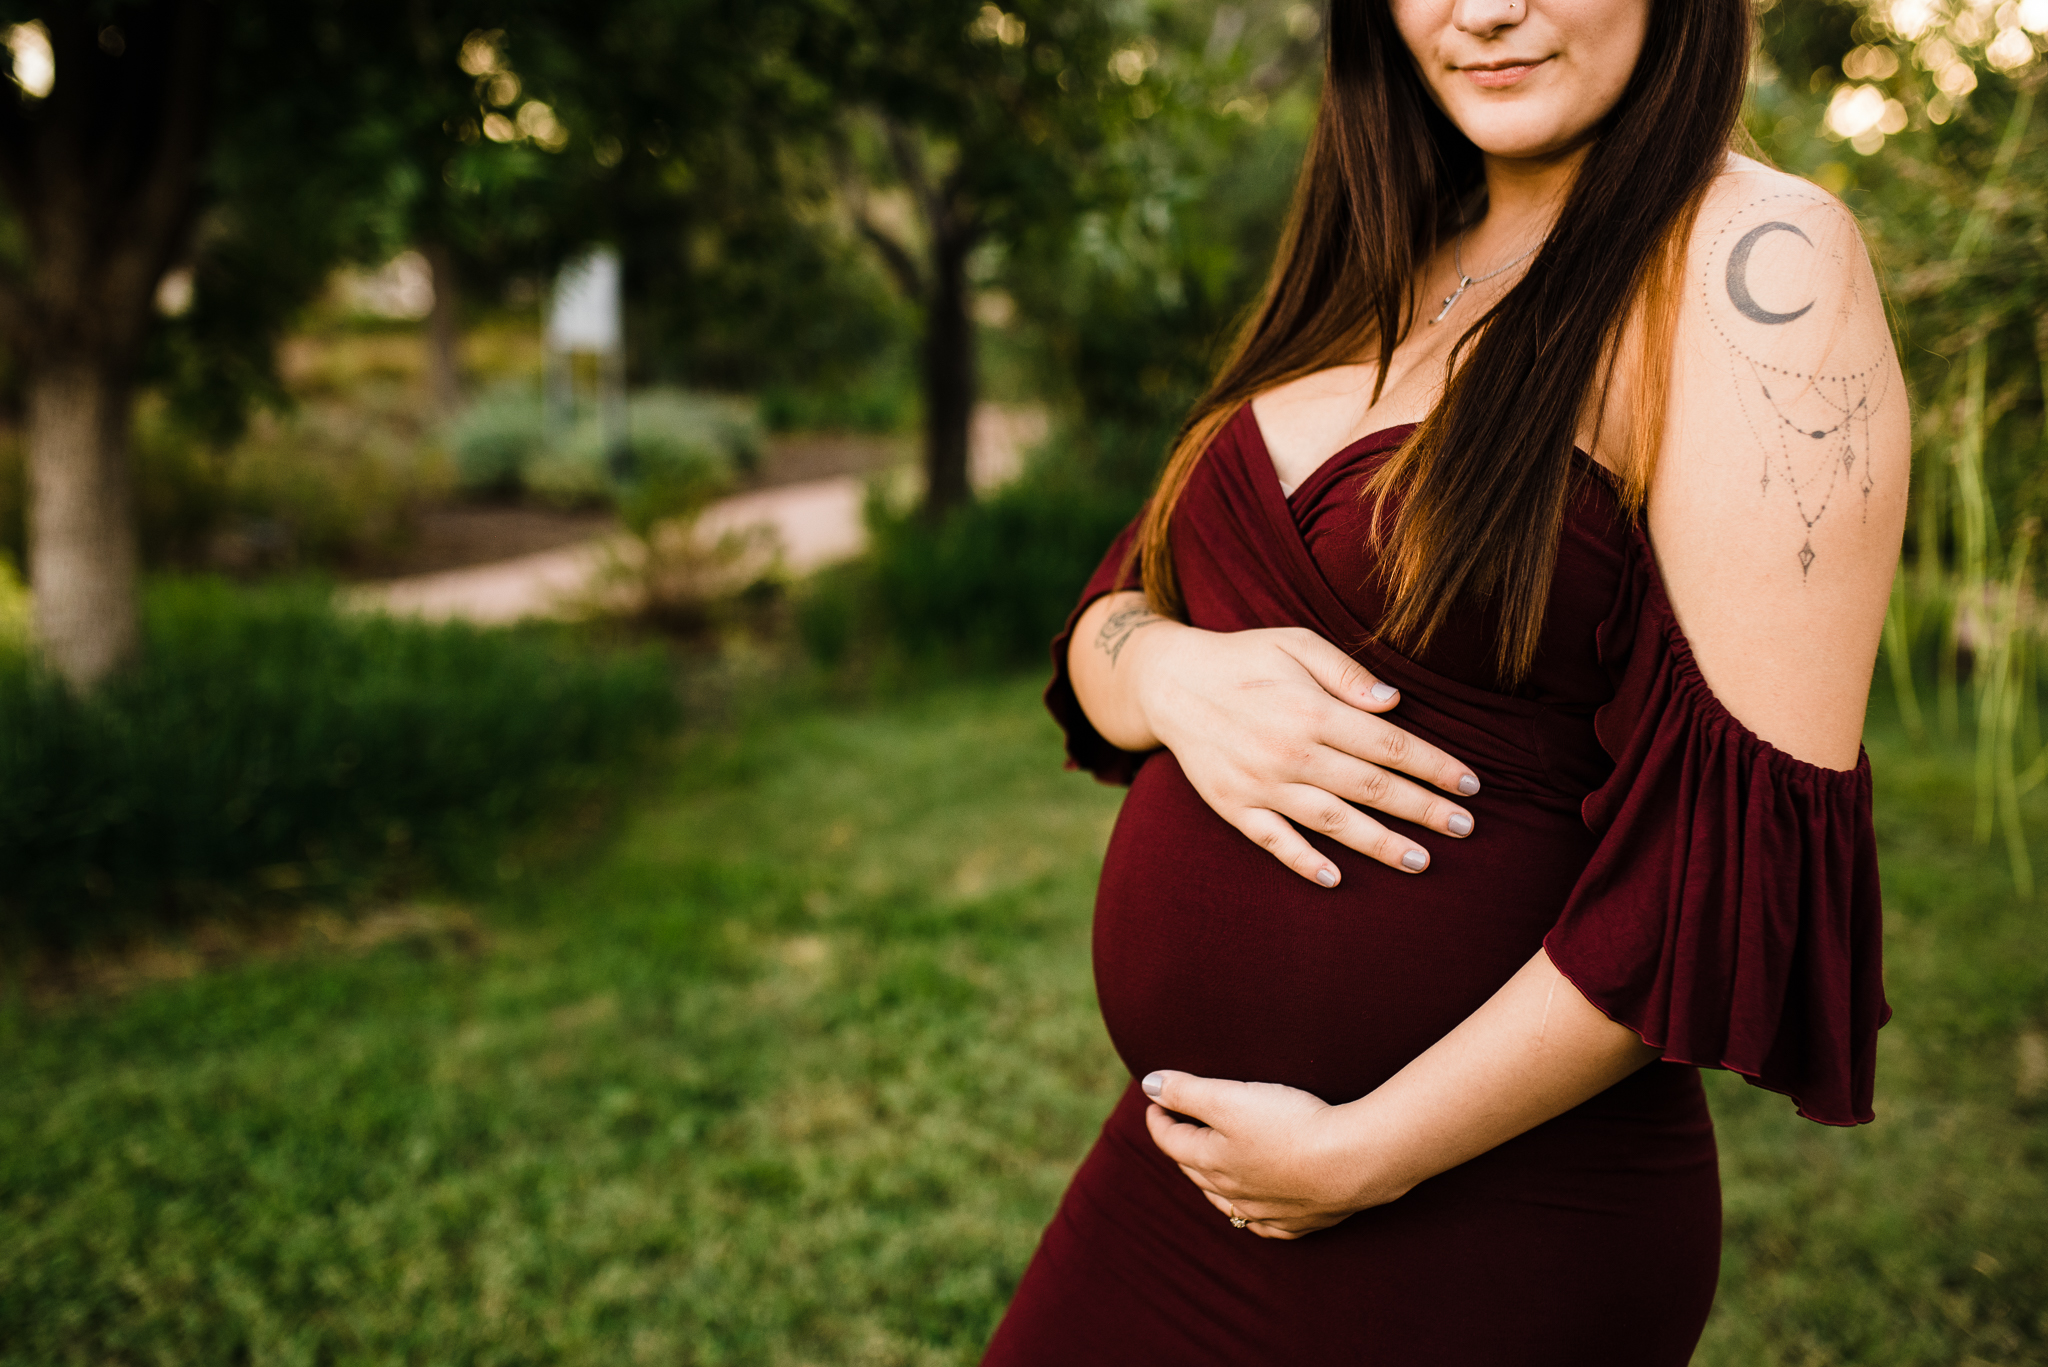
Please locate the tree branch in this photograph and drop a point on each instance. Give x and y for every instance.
(16, 314)
(895, 256)
(909, 159)
(15, 131)
(955, 223)
(162, 204)
(899, 259)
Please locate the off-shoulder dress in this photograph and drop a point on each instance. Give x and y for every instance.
(1714, 894)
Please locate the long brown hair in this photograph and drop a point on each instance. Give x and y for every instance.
(1488, 476)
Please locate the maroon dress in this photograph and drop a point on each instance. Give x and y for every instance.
(1717, 896)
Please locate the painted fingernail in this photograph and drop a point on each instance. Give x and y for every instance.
(1381, 692)
(1467, 785)
(1460, 824)
(1154, 1084)
(1416, 860)
(1327, 877)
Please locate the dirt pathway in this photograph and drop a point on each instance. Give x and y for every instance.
(812, 523)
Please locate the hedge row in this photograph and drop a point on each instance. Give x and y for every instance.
(270, 741)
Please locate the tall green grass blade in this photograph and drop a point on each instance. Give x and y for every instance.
(1978, 620)
(1898, 652)
(1974, 519)
(2016, 651)
(2001, 163)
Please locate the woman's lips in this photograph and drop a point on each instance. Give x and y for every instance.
(1498, 75)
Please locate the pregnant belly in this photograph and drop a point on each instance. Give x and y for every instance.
(1213, 958)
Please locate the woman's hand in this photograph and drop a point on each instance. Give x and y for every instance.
(1290, 1163)
(1270, 726)
(1281, 1159)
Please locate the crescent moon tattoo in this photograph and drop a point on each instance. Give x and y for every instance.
(1738, 274)
(1812, 428)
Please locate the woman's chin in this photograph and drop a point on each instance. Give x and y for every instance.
(1518, 141)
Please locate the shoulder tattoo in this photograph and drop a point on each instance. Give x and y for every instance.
(1806, 389)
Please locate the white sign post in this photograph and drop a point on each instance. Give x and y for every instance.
(584, 319)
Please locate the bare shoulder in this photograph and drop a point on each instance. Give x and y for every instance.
(1780, 491)
(1777, 270)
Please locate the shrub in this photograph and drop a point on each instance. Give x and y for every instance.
(883, 400)
(269, 742)
(317, 485)
(496, 438)
(990, 584)
(502, 445)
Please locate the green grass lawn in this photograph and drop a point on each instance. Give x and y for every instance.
(794, 1067)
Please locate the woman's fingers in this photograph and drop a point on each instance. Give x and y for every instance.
(1332, 816)
(1319, 809)
(1204, 1151)
(1346, 680)
(1266, 1226)
(1385, 744)
(1210, 1100)
(1383, 790)
(1306, 749)
(1341, 676)
(1272, 833)
(1273, 830)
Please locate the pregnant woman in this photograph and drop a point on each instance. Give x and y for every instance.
(1488, 671)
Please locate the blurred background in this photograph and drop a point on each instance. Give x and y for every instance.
(528, 533)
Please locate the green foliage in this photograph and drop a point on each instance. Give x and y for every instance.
(1136, 307)
(680, 437)
(13, 497)
(991, 583)
(307, 149)
(269, 741)
(680, 487)
(311, 486)
(833, 613)
(1002, 113)
(1178, 206)
(496, 438)
(884, 399)
(742, 279)
(746, 1088)
(1958, 242)
(756, 1087)
(502, 446)
(317, 485)
(15, 606)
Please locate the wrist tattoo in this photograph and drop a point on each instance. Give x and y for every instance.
(1120, 626)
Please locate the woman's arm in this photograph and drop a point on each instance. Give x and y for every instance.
(1269, 726)
(1780, 499)
(1291, 1164)
(1776, 512)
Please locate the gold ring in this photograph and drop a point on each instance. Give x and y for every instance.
(1237, 1221)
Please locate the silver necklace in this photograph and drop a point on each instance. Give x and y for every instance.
(1466, 282)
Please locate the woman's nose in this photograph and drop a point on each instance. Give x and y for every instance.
(1484, 18)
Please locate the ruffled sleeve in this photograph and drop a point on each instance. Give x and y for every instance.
(1086, 747)
(1730, 914)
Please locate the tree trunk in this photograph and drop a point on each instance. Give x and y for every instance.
(950, 379)
(101, 174)
(444, 334)
(82, 542)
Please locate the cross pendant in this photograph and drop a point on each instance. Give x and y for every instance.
(1452, 298)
